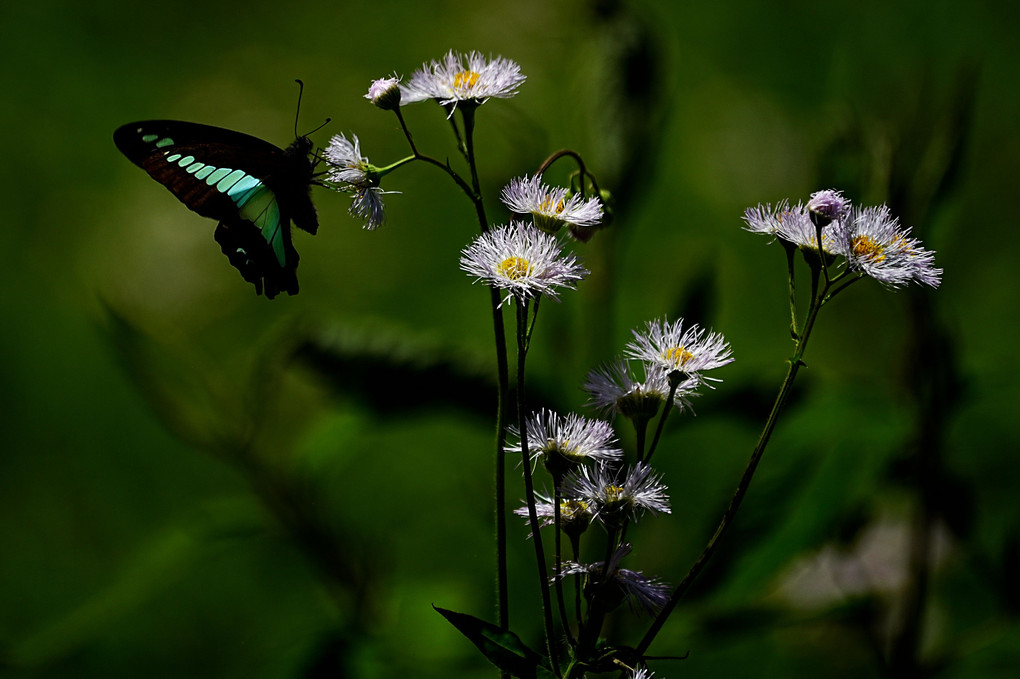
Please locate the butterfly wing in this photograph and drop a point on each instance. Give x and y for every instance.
(251, 187)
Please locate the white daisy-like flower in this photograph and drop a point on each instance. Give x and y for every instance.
(575, 514)
(464, 78)
(550, 207)
(671, 347)
(350, 172)
(614, 390)
(650, 593)
(346, 164)
(385, 93)
(873, 243)
(521, 260)
(573, 437)
(791, 224)
(766, 219)
(612, 499)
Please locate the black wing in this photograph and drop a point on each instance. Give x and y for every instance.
(253, 188)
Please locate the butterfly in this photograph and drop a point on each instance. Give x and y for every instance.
(251, 187)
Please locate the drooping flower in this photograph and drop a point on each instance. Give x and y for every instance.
(521, 260)
(613, 499)
(614, 390)
(551, 208)
(673, 348)
(615, 584)
(350, 172)
(874, 243)
(463, 78)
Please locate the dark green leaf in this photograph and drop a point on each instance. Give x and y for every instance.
(502, 647)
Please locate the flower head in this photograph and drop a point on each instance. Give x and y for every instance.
(614, 390)
(385, 93)
(575, 515)
(551, 208)
(873, 243)
(464, 78)
(522, 260)
(615, 584)
(789, 224)
(350, 172)
(564, 442)
(673, 348)
(613, 498)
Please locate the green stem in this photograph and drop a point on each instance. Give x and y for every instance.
(502, 380)
(529, 488)
(790, 250)
(738, 496)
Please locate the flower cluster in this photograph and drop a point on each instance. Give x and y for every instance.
(869, 239)
(469, 79)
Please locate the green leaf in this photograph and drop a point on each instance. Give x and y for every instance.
(502, 647)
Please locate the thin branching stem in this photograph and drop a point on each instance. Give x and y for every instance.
(745, 480)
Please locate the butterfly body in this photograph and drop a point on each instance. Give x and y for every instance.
(251, 187)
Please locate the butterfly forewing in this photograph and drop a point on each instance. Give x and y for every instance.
(253, 188)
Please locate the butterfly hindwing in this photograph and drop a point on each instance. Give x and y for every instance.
(251, 187)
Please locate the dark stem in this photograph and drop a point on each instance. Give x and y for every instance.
(560, 601)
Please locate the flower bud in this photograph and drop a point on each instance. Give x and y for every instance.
(826, 207)
(385, 93)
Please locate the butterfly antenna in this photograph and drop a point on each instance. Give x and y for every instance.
(297, 114)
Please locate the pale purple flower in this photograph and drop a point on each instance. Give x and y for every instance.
(672, 347)
(611, 497)
(550, 207)
(791, 224)
(874, 244)
(521, 260)
(650, 593)
(827, 206)
(573, 437)
(463, 77)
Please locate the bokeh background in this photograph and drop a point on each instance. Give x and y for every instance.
(198, 482)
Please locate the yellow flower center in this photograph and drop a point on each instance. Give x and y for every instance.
(547, 206)
(867, 247)
(465, 80)
(514, 268)
(614, 494)
(678, 356)
(571, 509)
(902, 245)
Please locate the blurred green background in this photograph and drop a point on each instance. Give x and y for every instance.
(198, 482)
